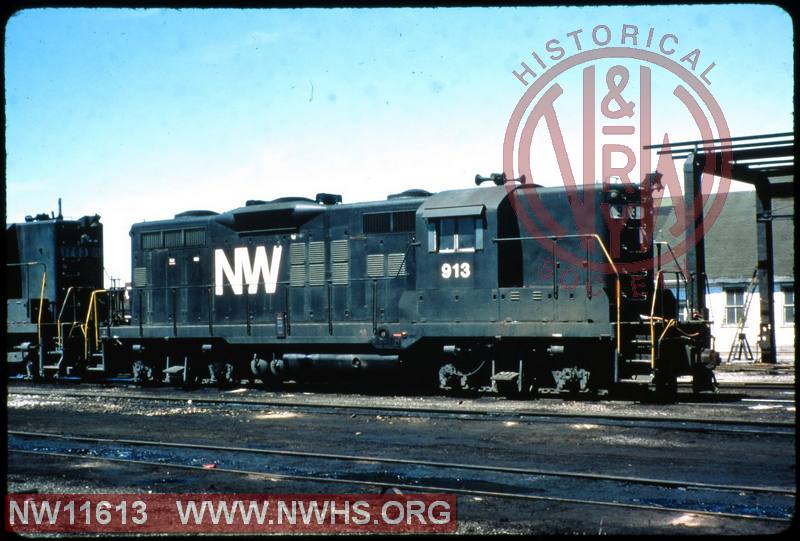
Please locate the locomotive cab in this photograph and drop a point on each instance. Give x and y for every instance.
(551, 290)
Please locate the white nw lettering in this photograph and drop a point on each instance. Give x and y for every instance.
(245, 273)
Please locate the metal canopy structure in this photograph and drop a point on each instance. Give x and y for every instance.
(765, 161)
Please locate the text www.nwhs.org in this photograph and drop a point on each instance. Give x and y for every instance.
(428, 513)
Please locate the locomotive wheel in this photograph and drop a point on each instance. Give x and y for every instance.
(270, 383)
(666, 387)
(260, 371)
(221, 374)
(142, 373)
(703, 380)
(33, 367)
(510, 390)
(507, 389)
(193, 379)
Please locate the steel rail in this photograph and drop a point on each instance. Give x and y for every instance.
(522, 415)
(751, 385)
(462, 414)
(421, 488)
(412, 462)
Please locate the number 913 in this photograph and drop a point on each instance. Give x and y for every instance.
(456, 270)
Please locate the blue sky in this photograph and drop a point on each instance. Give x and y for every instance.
(140, 114)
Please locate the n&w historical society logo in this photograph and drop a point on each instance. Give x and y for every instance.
(612, 92)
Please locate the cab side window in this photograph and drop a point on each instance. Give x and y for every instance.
(448, 235)
(465, 228)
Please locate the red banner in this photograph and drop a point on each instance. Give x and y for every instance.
(223, 513)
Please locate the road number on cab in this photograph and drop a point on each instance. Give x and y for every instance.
(456, 270)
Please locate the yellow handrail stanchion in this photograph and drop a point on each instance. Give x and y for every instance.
(659, 277)
(41, 307)
(619, 292)
(60, 313)
(92, 310)
(96, 326)
(670, 323)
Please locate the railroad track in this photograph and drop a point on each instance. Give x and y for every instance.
(751, 386)
(775, 503)
(687, 424)
(759, 385)
(723, 386)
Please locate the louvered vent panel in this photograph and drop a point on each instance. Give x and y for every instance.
(297, 253)
(537, 295)
(375, 266)
(297, 275)
(151, 241)
(316, 274)
(195, 237)
(397, 265)
(340, 273)
(173, 239)
(140, 277)
(316, 252)
(340, 251)
(514, 295)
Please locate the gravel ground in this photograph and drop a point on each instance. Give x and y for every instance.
(476, 515)
(565, 445)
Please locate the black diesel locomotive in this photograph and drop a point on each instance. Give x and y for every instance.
(53, 269)
(457, 288)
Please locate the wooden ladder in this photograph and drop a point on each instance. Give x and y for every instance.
(748, 298)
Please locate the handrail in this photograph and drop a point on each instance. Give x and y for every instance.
(63, 307)
(659, 278)
(41, 308)
(670, 323)
(605, 252)
(674, 258)
(92, 310)
(61, 313)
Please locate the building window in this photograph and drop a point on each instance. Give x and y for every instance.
(788, 305)
(734, 306)
(456, 235)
